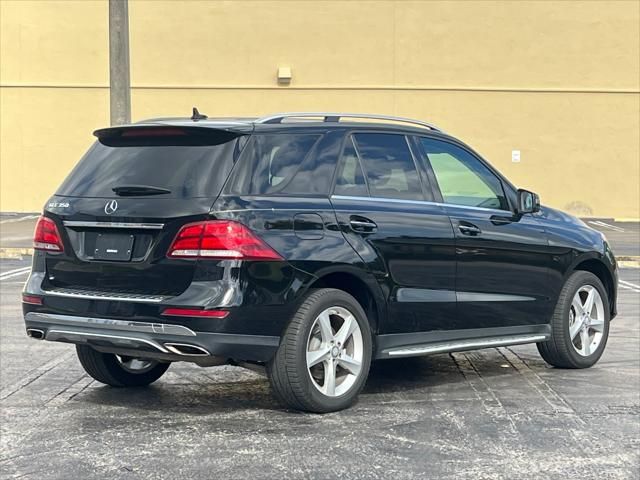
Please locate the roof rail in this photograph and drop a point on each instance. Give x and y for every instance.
(335, 117)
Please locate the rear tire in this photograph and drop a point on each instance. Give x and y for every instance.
(119, 371)
(570, 345)
(324, 356)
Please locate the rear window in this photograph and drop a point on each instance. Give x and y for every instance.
(277, 164)
(187, 169)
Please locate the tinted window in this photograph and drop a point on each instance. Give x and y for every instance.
(388, 166)
(350, 179)
(275, 164)
(462, 178)
(185, 170)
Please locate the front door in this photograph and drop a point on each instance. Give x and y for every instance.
(381, 204)
(502, 274)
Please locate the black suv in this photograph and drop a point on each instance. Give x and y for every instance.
(309, 244)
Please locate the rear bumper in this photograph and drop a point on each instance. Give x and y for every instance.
(153, 340)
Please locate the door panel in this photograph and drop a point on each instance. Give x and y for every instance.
(406, 242)
(502, 269)
(411, 253)
(502, 259)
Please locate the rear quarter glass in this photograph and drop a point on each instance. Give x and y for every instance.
(187, 166)
(282, 164)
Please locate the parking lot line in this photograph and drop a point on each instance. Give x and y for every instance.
(629, 285)
(599, 223)
(15, 273)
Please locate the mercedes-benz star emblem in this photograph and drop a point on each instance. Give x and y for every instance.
(111, 207)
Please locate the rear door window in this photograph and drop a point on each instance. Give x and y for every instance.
(279, 163)
(185, 170)
(388, 166)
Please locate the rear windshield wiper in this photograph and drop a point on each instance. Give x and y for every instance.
(131, 190)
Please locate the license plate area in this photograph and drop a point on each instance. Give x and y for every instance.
(113, 247)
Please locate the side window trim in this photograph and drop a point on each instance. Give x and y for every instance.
(431, 182)
(340, 164)
(436, 186)
(356, 149)
(423, 176)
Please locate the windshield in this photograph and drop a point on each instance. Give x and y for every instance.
(177, 171)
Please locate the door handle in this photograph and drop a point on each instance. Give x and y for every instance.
(361, 224)
(469, 229)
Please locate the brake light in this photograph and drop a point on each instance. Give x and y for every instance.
(154, 132)
(46, 236)
(193, 312)
(220, 239)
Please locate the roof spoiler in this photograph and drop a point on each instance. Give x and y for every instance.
(159, 134)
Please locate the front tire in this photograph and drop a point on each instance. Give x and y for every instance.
(117, 370)
(325, 353)
(580, 323)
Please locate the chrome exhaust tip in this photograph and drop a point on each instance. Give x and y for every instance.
(187, 350)
(35, 333)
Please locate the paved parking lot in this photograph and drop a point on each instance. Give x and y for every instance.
(495, 413)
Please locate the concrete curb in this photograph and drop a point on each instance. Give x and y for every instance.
(627, 261)
(15, 252)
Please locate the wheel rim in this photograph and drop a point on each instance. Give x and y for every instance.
(335, 351)
(586, 320)
(135, 365)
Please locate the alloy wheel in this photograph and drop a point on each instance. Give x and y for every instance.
(586, 320)
(335, 351)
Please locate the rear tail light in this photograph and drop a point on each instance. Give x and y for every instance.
(194, 312)
(31, 299)
(46, 236)
(220, 239)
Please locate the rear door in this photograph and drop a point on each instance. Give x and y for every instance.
(383, 210)
(124, 202)
(502, 259)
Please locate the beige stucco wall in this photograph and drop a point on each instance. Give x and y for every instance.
(559, 81)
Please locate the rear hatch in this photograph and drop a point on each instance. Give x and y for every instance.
(120, 208)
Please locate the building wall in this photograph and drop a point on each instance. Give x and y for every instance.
(559, 81)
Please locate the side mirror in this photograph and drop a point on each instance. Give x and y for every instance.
(528, 202)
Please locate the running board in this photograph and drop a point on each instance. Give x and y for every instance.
(460, 345)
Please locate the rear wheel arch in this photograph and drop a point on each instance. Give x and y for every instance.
(370, 301)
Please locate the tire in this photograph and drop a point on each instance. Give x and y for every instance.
(107, 368)
(309, 389)
(561, 350)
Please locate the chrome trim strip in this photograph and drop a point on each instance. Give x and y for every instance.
(140, 226)
(124, 325)
(418, 202)
(464, 345)
(92, 295)
(491, 297)
(57, 334)
(279, 117)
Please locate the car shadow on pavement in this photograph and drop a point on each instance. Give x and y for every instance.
(202, 393)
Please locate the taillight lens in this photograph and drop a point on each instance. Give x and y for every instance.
(220, 239)
(46, 236)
